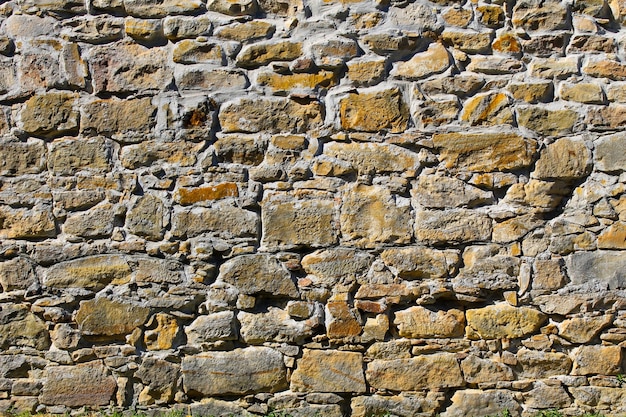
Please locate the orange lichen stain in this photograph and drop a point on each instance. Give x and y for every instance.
(507, 43)
(213, 192)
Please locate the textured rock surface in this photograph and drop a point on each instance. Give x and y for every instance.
(312, 207)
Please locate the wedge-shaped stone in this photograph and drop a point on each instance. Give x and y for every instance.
(50, 114)
(126, 67)
(19, 158)
(258, 274)
(371, 215)
(331, 266)
(597, 359)
(440, 370)
(452, 226)
(342, 372)
(262, 53)
(273, 115)
(605, 267)
(290, 222)
(85, 384)
(367, 157)
(19, 327)
(485, 152)
(91, 273)
(161, 8)
(372, 110)
(418, 322)
(536, 364)
(223, 220)
(104, 317)
(502, 321)
(435, 60)
(476, 402)
(610, 153)
(564, 159)
(436, 191)
(238, 372)
(418, 262)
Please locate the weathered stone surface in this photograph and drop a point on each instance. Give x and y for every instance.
(17, 274)
(21, 158)
(184, 27)
(51, 114)
(152, 152)
(596, 359)
(604, 267)
(85, 384)
(263, 53)
(484, 152)
(111, 117)
(612, 70)
(342, 372)
(208, 78)
(502, 320)
(595, 397)
(485, 270)
(92, 273)
(298, 81)
(610, 153)
(544, 396)
(366, 70)
(435, 60)
(50, 63)
(548, 275)
(241, 371)
(418, 322)
(547, 122)
(162, 332)
(374, 110)
(104, 317)
(587, 93)
(233, 8)
(332, 266)
(276, 326)
(553, 165)
(365, 158)
(613, 237)
(440, 370)
(540, 15)
(290, 222)
(96, 29)
(258, 274)
(419, 262)
(583, 329)
(475, 402)
(129, 67)
(437, 111)
(27, 223)
(151, 8)
(451, 226)
(19, 327)
(147, 217)
(555, 67)
(144, 30)
(607, 118)
(211, 328)
(470, 42)
(190, 51)
(434, 191)
(222, 220)
(97, 222)
(495, 65)
(370, 215)
(538, 364)
(159, 377)
(540, 92)
(477, 370)
(68, 156)
(515, 228)
(246, 31)
(270, 114)
(333, 52)
(342, 320)
(404, 405)
(488, 109)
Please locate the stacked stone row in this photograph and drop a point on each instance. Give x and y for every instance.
(345, 208)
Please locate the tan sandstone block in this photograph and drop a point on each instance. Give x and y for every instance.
(503, 321)
(374, 110)
(597, 359)
(341, 372)
(418, 322)
(435, 60)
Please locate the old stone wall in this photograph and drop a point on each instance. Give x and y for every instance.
(321, 207)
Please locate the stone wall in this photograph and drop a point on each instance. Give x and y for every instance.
(323, 207)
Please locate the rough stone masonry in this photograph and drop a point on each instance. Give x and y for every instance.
(319, 207)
